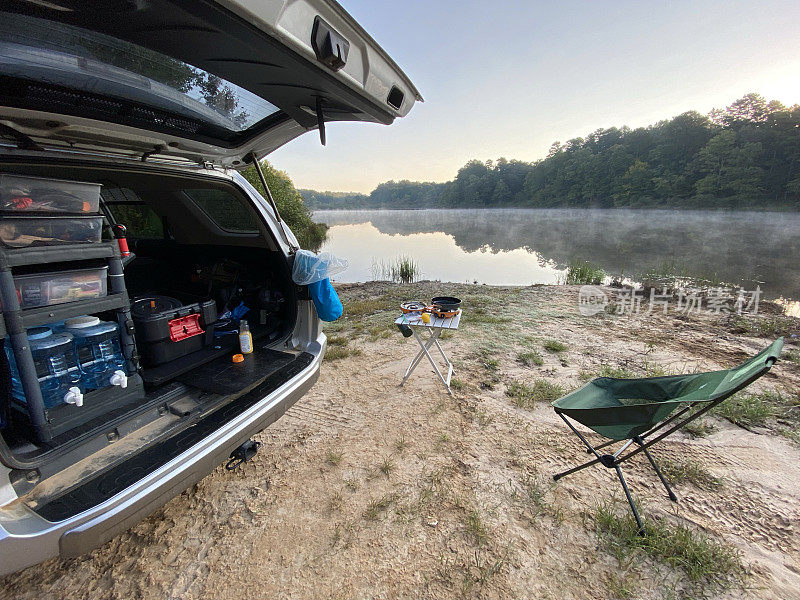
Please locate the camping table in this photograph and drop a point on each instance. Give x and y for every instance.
(434, 331)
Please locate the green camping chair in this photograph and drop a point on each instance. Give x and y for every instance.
(635, 409)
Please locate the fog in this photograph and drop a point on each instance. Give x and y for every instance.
(517, 246)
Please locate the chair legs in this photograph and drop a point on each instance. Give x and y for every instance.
(635, 512)
(663, 479)
(611, 461)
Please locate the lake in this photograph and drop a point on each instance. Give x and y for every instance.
(527, 246)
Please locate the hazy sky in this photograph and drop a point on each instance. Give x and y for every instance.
(508, 78)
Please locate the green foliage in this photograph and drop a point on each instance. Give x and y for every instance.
(704, 560)
(584, 273)
(402, 270)
(689, 471)
(744, 156)
(762, 326)
(748, 410)
(290, 204)
(615, 372)
(527, 396)
(340, 352)
(554, 346)
(388, 195)
(530, 358)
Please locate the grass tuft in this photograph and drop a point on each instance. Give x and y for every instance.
(748, 410)
(704, 560)
(401, 444)
(403, 269)
(333, 458)
(530, 358)
(689, 471)
(476, 528)
(386, 467)
(527, 396)
(584, 273)
(615, 372)
(554, 346)
(340, 352)
(379, 506)
(760, 326)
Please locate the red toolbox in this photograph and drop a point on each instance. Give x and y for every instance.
(166, 329)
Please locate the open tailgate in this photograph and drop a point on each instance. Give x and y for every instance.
(204, 80)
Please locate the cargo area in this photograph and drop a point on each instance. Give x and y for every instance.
(123, 294)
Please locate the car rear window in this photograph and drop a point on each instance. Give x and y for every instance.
(141, 221)
(225, 209)
(87, 61)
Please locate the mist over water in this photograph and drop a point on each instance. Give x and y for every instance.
(527, 246)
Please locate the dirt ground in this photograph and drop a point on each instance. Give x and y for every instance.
(367, 490)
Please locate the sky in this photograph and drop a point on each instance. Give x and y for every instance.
(508, 78)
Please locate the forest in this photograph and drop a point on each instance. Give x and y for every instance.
(745, 156)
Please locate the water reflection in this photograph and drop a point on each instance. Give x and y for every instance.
(535, 246)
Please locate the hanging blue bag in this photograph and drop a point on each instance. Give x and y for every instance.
(315, 271)
(326, 300)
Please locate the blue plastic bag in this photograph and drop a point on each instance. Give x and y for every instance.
(309, 267)
(314, 271)
(326, 300)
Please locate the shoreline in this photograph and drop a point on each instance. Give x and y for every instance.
(571, 208)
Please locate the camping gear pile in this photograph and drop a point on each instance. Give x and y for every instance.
(443, 307)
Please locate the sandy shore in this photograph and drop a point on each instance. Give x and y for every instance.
(367, 490)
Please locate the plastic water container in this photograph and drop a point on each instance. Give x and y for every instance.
(99, 353)
(56, 368)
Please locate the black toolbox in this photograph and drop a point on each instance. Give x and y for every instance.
(166, 329)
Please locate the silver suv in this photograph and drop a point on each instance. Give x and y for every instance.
(126, 123)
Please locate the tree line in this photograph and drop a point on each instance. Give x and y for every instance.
(744, 156)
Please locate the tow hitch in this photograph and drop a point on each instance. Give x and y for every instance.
(242, 454)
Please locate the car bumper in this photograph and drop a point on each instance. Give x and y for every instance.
(27, 539)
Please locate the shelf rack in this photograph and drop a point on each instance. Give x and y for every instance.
(49, 423)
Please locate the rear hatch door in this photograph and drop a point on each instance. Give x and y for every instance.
(203, 80)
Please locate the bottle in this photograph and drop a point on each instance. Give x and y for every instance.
(58, 373)
(98, 350)
(245, 338)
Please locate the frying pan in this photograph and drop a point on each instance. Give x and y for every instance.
(446, 303)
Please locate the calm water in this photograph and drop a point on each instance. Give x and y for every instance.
(522, 247)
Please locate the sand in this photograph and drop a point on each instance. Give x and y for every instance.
(367, 490)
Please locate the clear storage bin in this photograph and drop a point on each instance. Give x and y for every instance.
(44, 289)
(19, 193)
(21, 232)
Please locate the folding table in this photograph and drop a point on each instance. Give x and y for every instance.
(434, 331)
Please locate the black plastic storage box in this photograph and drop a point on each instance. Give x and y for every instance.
(166, 329)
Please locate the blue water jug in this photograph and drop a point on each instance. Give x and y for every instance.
(98, 351)
(56, 368)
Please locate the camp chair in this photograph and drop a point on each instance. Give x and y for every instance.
(635, 409)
